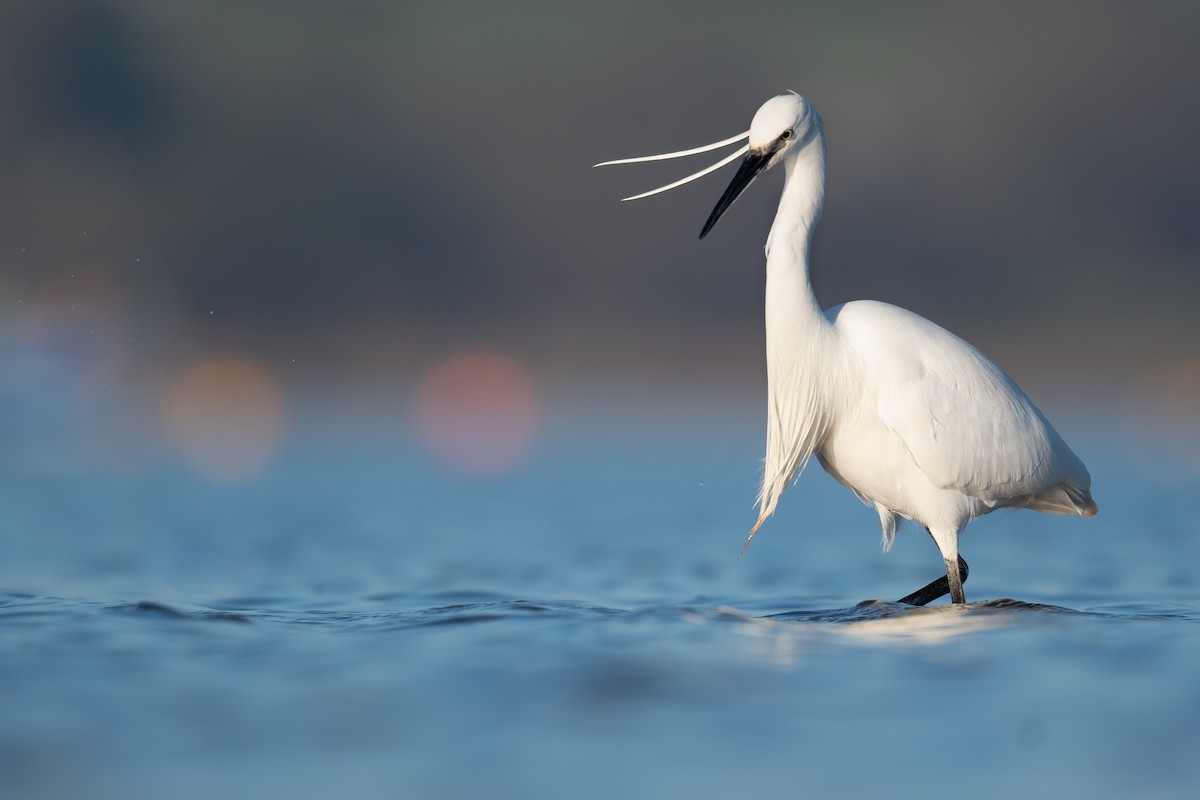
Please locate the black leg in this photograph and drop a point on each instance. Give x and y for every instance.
(939, 588)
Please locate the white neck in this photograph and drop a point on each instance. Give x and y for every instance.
(803, 354)
(789, 292)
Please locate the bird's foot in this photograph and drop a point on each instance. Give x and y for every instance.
(939, 588)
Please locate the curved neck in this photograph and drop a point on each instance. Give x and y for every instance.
(802, 355)
(790, 297)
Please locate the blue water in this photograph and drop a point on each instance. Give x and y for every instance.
(357, 623)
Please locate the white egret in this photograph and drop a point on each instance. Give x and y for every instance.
(916, 422)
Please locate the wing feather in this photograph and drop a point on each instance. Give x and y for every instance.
(967, 425)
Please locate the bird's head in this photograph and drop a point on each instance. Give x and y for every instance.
(784, 124)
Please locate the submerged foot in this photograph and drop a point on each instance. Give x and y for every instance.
(939, 588)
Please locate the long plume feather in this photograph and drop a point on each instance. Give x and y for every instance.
(734, 155)
(677, 154)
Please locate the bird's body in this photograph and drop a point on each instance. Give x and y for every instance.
(935, 431)
(916, 422)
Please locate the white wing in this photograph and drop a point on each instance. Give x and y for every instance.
(966, 424)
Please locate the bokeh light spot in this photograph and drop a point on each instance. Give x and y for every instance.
(476, 413)
(1163, 410)
(225, 417)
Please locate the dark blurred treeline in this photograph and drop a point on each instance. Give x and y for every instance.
(390, 179)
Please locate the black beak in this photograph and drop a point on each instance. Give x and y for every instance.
(752, 165)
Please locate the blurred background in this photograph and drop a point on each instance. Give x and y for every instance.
(216, 218)
(354, 434)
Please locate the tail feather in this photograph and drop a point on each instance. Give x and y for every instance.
(1064, 499)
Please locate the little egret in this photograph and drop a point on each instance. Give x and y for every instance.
(916, 422)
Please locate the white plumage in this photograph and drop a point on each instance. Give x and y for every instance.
(915, 421)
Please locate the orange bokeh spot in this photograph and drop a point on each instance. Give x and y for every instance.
(477, 413)
(225, 417)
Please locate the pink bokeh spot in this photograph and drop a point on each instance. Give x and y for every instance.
(476, 413)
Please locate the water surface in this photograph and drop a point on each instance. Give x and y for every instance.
(357, 624)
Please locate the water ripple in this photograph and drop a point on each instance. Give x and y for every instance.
(877, 618)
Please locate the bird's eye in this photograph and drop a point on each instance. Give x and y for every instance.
(783, 137)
